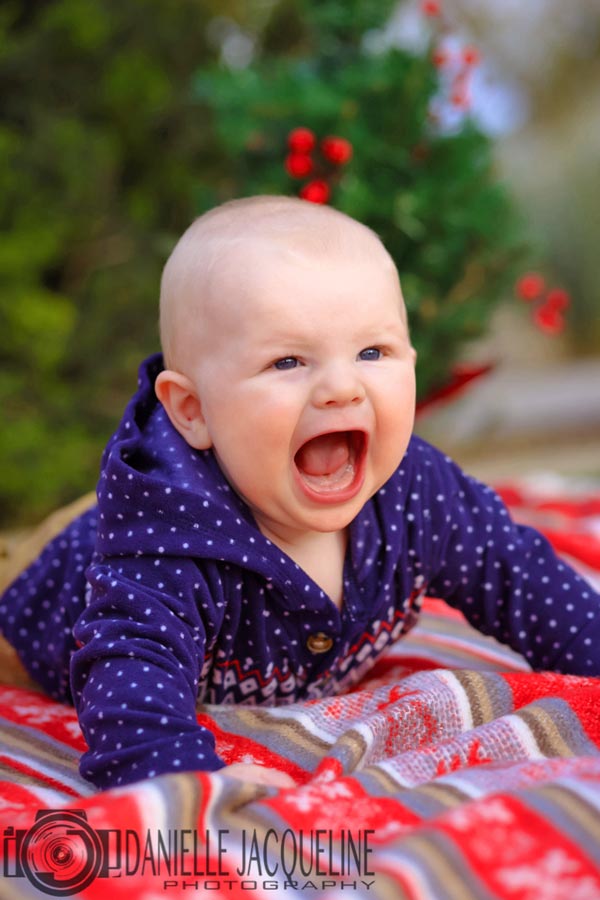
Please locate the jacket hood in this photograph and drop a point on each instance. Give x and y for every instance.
(157, 495)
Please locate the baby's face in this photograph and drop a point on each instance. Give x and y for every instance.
(307, 386)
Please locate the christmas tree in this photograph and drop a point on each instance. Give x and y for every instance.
(324, 116)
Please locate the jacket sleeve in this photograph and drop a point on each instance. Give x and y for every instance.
(508, 581)
(141, 643)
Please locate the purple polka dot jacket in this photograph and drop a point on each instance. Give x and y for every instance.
(166, 595)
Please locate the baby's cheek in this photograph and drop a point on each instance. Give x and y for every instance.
(395, 433)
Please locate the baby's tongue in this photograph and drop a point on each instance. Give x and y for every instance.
(323, 455)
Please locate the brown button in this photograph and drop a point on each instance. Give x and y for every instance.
(319, 642)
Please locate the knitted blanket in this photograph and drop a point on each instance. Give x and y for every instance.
(452, 771)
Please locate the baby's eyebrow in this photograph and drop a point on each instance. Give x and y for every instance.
(383, 331)
(305, 334)
(284, 336)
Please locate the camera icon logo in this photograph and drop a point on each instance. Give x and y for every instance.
(61, 854)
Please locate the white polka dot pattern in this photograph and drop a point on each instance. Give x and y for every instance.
(186, 600)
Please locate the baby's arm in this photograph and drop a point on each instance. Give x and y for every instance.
(135, 676)
(135, 680)
(509, 582)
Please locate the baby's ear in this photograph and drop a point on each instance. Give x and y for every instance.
(179, 397)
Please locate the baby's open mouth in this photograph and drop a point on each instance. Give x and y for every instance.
(331, 463)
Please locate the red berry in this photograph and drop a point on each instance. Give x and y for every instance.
(558, 299)
(430, 8)
(315, 191)
(529, 286)
(298, 165)
(471, 56)
(549, 319)
(440, 58)
(301, 140)
(460, 98)
(337, 150)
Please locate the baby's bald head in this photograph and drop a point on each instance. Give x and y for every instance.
(222, 248)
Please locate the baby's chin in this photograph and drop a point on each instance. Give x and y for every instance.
(333, 518)
(294, 527)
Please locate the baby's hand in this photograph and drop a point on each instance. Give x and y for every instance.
(259, 774)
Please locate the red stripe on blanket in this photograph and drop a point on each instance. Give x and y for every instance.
(348, 805)
(517, 853)
(19, 798)
(582, 695)
(582, 546)
(390, 665)
(33, 710)
(234, 748)
(37, 776)
(515, 496)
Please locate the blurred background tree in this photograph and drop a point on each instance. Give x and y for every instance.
(123, 120)
(100, 142)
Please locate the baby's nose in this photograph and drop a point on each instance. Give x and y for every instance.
(338, 386)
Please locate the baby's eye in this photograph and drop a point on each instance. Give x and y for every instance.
(288, 362)
(370, 353)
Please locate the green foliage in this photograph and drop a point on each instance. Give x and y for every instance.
(118, 126)
(434, 199)
(100, 148)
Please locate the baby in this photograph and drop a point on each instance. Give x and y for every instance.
(267, 524)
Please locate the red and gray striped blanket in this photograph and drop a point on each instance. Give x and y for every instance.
(452, 771)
